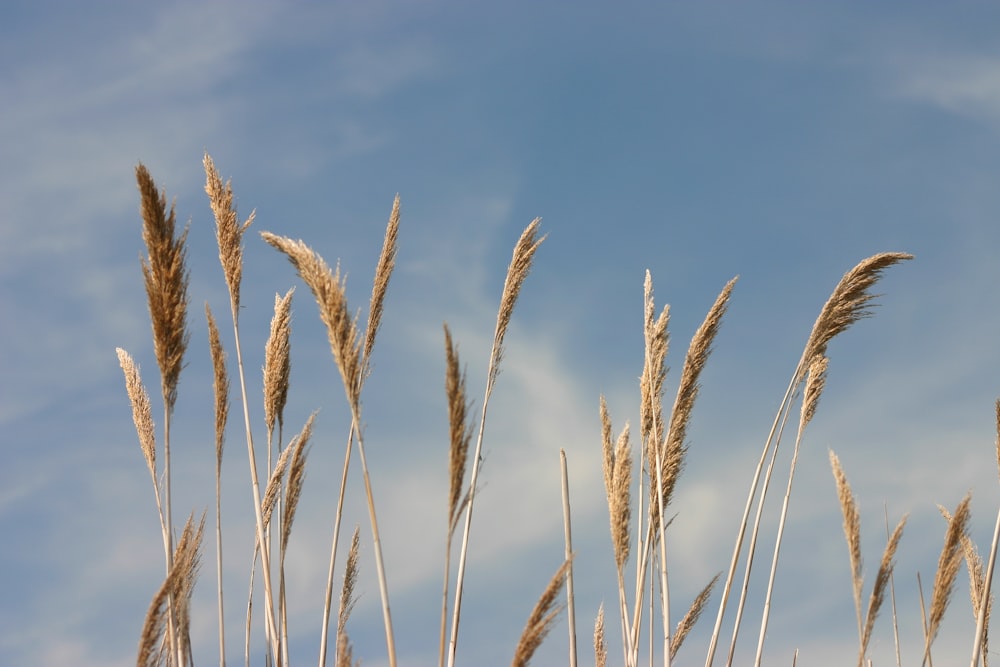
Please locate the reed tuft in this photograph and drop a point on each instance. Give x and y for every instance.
(849, 302)
(380, 286)
(142, 414)
(329, 289)
(542, 618)
(948, 565)
(166, 279)
(277, 362)
(600, 645)
(228, 230)
(517, 272)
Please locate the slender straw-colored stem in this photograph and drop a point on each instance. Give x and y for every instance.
(325, 632)
(174, 640)
(755, 530)
(777, 548)
(264, 559)
(985, 601)
(744, 522)
(570, 599)
(379, 563)
(456, 611)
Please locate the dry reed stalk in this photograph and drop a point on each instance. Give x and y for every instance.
(852, 532)
(293, 492)
(815, 383)
(383, 273)
(654, 369)
(983, 613)
(673, 447)
(568, 536)
(165, 277)
(948, 565)
(600, 645)
(517, 272)
(380, 286)
(892, 585)
(668, 461)
(229, 235)
(173, 599)
(849, 302)
(228, 230)
(277, 364)
(977, 589)
(692, 616)
(142, 417)
(330, 291)
(347, 600)
(882, 580)
(220, 388)
(460, 432)
(617, 466)
(542, 618)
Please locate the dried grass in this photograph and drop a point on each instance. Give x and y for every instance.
(542, 618)
(167, 628)
(277, 363)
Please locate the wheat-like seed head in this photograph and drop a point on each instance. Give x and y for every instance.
(178, 586)
(673, 447)
(166, 279)
(852, 530)
(296, 478)
(691, 617)
(228, 230)
(947, 570)
(277, 362)
(542, 618)
(459, 428)
(273, 490)
(347, 600)
(882, 579)
(600, 645)
(383, 271)
(220, 384)
(997, 408)
(849, 302)
(329, 289)
(517, 271)
(654, 369)
(142, 414)
(617, 464)
(815, 382)
(187, 562)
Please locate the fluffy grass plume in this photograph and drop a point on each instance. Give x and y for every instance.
(329, 289)
(165, 276)
(947, 571)
(228, 229)
(277, 363)
(142, 413)
(542, 618)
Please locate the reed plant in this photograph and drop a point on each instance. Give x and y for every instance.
(640, 480)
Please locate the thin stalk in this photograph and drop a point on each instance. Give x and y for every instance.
(264, 559)
(777, 548)
(328, 601)
(379, 564)
(744, 522)
(755, 532)
(570, 599)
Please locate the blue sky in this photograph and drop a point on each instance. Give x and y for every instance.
(781, 142)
